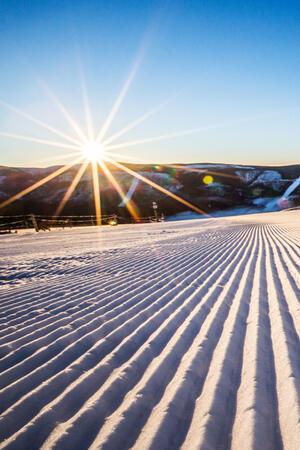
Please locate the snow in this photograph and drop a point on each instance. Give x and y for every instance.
(247, 177)
(268, 176)
(190, 215)
(243, 167)
(283, 201)
(206, 166)
(159, 176)
(171, 335)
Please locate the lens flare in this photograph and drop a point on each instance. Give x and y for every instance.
(129, 203)
(208, 179)
(158, 187)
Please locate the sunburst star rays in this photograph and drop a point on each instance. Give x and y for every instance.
(40, 123)
(138, 121)
(40, 141)
(129, 204)
(81, 147)
(71, 188)
(96, 190)
(84, 144)
(65, 113)
(165, 136)
(174, 166)
(39, 183)
(158, 187)
(118, 102)
(86, 105)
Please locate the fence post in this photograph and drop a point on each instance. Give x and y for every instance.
(154, 206)
(34, 223)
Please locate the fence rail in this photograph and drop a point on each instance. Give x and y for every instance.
(39, 222)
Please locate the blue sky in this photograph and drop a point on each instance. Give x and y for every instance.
(229, 66)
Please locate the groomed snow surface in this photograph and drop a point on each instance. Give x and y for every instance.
(162, 336)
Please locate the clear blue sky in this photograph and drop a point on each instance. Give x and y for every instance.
(233, 63)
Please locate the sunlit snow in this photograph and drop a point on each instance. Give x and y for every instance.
(164, 336)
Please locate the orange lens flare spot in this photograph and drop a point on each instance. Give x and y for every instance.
(208, 179)
(93, 151)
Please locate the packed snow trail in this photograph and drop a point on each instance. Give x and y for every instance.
(158, 336)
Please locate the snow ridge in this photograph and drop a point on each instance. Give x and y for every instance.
(186, 339)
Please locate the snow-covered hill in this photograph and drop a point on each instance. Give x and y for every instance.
(163, 336)
(231, 186)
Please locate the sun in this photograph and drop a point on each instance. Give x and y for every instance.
(93, 151)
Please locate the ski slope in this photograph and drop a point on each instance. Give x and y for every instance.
(156, 336)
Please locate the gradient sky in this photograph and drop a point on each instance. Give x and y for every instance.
(233, 67)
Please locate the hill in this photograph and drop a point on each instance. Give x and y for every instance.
(254, 188)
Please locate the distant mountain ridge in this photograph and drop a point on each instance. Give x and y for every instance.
(230, 187)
